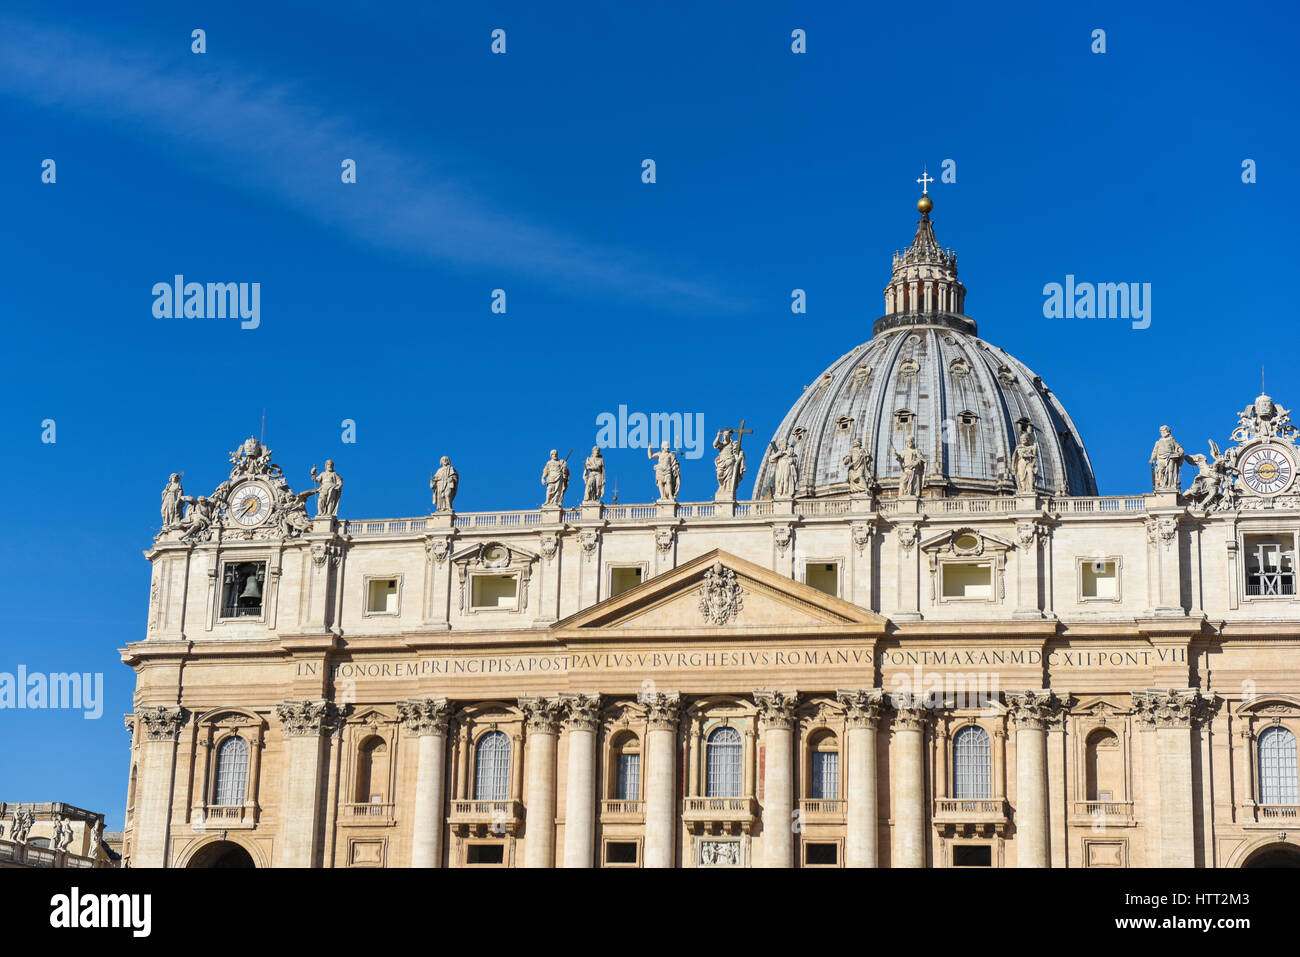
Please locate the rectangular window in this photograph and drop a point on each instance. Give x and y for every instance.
(620, 852)
(821, 854)
(1270, 565)
(495, 591)
(381, 596)
(628, 777)
(972, 855)
(967, 580)
(485, 854)
(1099, 580)
(242, 587)
(825, 784)
(623, 578)
(824, 576)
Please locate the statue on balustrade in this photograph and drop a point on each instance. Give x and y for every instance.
(729, 464)
(785, 469)
(1024, 461)
(1214, 478)
(668, 472)
(593, 475)
(331, 490)
(1166, 459)
(861, 467)
(172, 502)
(444, 483)
(555, 476)
(912, 463)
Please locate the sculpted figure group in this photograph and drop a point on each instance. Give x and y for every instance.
(1214, 485)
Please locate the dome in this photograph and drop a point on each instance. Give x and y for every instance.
(927, 375)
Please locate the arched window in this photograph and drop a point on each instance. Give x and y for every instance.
(232, 771)
(824, 769)
(492, 767)
(627, 768)
(722, 759)
(1277, 767)
(1105, 768)
(372, 771)
(972, 775)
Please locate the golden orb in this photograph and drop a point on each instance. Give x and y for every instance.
(924, 204)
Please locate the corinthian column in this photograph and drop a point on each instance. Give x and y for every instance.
(304, 725)
(1030, 711)
(161, 726)
(660, 791)
(580, 788)
(862, 714)
(426, 718)
(909, 792)
(776, 717)
(1174, 714)
(539, 779)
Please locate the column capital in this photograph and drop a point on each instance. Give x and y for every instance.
(862, 708)
(425, 715)
(663, 708)
(581, 711)
(776, 708)
(1173, 708)
(301, 718)
(911, 712)
(162, 723)
(543, 714)
(1032, 710)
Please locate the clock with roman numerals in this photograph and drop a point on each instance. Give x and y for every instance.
(1268, 470)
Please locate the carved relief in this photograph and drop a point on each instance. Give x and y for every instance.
(721, 597)
(776, 708)
(161, 723)
(781, 535)
(300, 718)
(862, 709)
(1174, 708)
(425, 715)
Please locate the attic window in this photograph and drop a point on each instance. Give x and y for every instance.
(968, 419)
(908, 368)
(968, 580)
(495, 591)
(844, 424)
(860, 376)
(381, 596)
(903, 420)
(621, 578)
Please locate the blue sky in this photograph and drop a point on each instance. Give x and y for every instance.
(523, 172)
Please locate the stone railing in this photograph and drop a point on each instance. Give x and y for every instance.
(616, 809)
(822, 809)
(368, 813)
(30, 855)
(1104, 812)
(484, 811)
(1280, 813)
(518, 519)
(969, 810)
(1097, 505)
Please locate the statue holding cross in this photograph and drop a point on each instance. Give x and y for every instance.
(730, 461)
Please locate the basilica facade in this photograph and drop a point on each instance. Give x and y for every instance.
(924, 641)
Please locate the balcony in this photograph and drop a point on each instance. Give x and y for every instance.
(225, 817)
(372, 814)
(822, 810)
(616, 811)
(969, 817)
(482, 818)
(719, 815)
(1272, 815)
(1102, 814)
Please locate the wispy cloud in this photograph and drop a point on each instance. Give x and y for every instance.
(264, 135)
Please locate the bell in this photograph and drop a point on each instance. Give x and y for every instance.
(251, 588)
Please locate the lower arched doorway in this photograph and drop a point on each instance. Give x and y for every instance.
(1274, 855)
(222, 854)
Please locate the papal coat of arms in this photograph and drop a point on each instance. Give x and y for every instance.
(720, 595)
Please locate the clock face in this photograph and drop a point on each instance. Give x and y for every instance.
(250, 505)
(1267, 470)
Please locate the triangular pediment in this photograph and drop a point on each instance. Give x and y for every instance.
(719, 593)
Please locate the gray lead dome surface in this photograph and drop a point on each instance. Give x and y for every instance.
(926, 374)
